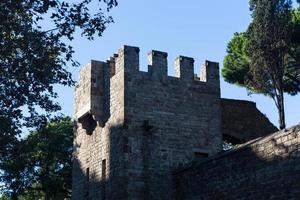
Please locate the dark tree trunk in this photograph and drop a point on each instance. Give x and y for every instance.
(280, 100)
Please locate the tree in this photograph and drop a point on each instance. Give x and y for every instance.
(34, 59)
(41, 165)
(237, 60)
(266, 58)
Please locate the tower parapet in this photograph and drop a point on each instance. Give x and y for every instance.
(127, 59)
(95, 82)
(184, 67)
(209, 72)
(158, 64)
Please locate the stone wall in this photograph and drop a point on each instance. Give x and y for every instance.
(170, 120)
(99, 167)
(134, 128)
(242, 121)
(266, 168)
(142, 125)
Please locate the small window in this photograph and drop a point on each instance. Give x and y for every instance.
(103, 194)
(103, 170)
(87, 175)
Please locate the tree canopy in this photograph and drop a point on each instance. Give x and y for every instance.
(41, 164)
(35, 56)
(266, 58)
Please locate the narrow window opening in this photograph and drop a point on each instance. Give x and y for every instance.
(103, 179)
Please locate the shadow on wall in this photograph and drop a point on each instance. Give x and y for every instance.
(99, 171)
(120, 172)
(265, 168)
(86, 184)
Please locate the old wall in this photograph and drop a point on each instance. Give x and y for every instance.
(242, 121)
(171, 121)
(133, 128)
(268, 168)
(99, 165)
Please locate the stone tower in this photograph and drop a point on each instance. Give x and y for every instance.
(134, 128)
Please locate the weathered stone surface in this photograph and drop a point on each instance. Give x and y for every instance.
(92, 93)
(266, 168)
(155, 123)
(135, 128)
(242, 121)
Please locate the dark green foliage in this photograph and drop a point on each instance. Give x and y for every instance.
(266, 58)
(40, 165)
(34, 59)
(291, 79)
(236, 62)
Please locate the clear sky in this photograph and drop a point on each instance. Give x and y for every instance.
(196, 28)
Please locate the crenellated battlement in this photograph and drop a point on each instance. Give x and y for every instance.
(98, 81)
(127, 59)
(158, 64)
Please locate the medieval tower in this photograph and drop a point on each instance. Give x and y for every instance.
(134, 128)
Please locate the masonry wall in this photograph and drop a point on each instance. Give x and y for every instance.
(242, 121)
(142, 125)
(170, 120)
(99, 167)
(268, 168)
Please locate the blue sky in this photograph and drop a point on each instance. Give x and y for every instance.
(196, 28)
